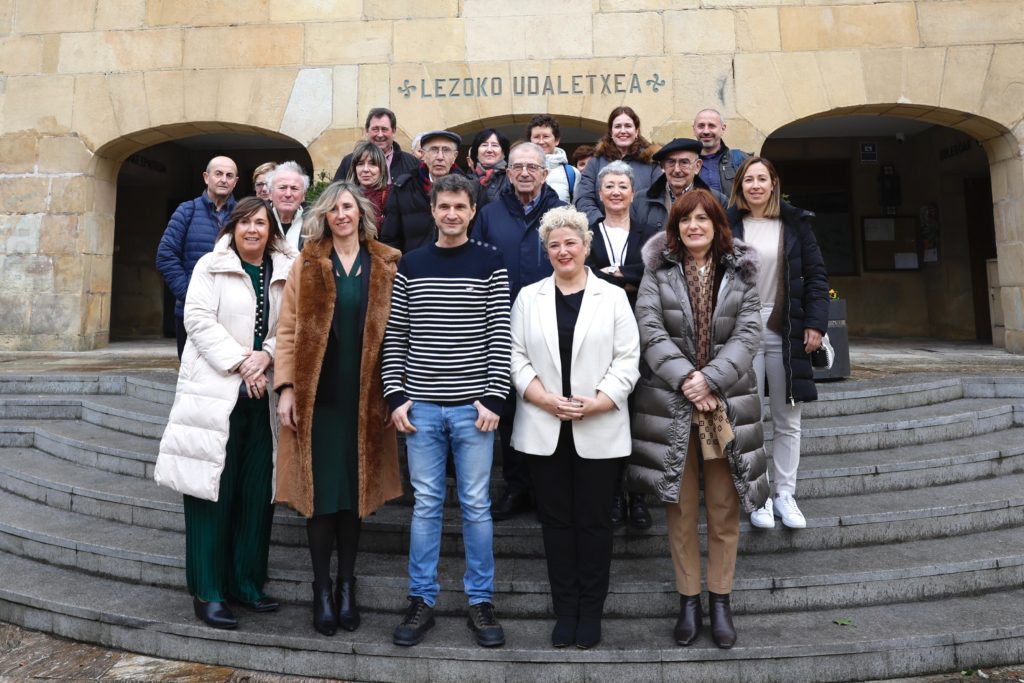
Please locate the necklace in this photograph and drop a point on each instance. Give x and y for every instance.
(259, 329)
(614, 260)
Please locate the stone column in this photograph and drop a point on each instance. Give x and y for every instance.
(1008, 208)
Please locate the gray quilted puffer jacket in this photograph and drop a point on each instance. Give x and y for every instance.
(662, 415)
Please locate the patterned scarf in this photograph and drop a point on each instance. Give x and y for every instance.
(425, 181)
(713, 427)
(484, 173)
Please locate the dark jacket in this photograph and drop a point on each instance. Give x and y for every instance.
(632, 267)
(493, 189)
(649, 207)
(408, 221)
(503, 224)
(803, 294)
(189, 236)
(401, 163)
(668, 354)
(645, 172)
(728, 163)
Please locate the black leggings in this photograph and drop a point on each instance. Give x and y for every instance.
(324, 531)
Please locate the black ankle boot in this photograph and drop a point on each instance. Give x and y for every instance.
(639, 516)
(722, 630)
(345, 600)
(325, 620)
(689, 623)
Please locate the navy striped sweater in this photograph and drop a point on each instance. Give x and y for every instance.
(448, 339)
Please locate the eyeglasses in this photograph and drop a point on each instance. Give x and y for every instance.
(439, 151)
(532, 168)
(681, 163)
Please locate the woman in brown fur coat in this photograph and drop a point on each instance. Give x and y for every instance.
(622, 142)
(337, 458)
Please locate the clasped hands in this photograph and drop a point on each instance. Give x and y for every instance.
(253, 372)
(697, 390)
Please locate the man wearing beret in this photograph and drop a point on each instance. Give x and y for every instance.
(680, 161)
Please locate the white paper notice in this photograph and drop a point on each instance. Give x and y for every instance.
(905, 260)
(879, 229)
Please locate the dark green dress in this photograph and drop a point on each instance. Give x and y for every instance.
(336, 410)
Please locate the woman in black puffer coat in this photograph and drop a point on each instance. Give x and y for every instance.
(793, 287)
(698, 314)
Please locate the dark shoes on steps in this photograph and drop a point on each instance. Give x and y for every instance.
(330, 612)
(509, 505)
(215, 614)
(688, 626)
(634, 509)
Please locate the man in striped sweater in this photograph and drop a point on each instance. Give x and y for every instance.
(446, 364)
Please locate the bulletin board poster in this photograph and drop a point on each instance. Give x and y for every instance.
(891, 243)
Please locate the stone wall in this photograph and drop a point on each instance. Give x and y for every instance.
(86, 83)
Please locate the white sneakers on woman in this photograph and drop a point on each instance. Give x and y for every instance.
(784, 507)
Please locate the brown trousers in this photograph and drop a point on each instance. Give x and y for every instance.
(723, 515)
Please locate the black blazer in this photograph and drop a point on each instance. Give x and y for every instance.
(632, 267)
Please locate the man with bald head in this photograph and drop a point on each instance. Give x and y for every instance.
(718, 162)
(191, 232)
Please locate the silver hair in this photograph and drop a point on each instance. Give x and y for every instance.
(566, 217)
(617, 168)
(292, 166)
(529, 147)
(416, 141)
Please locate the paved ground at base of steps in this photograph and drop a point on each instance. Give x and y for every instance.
(31, 656)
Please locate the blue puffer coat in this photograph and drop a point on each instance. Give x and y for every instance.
(189, 236)
(804, 297)
(517, 235)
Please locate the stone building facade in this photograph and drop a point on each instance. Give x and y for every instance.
(86, 84)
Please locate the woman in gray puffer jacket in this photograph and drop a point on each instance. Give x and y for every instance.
(700, 326)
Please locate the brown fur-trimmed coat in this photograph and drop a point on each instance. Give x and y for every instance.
(303, 331)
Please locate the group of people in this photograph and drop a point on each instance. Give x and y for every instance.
(618, 323)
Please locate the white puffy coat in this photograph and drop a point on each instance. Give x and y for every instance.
(220, 313)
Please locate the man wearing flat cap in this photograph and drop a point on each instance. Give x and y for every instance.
(408, 222)
(680, 161)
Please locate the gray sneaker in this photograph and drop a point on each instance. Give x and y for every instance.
(419, 618)
(486, 627)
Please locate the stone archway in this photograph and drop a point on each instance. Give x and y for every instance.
(93, 223)
(1003, 151)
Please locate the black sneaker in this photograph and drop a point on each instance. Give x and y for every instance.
(419, 618)
(487, 629)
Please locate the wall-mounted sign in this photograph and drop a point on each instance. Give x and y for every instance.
(868, 152)
(528, 85)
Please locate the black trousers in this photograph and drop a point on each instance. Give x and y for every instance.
(179, 334)
(514, 467)
(573, 496)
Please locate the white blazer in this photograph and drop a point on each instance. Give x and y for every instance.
(605, 357)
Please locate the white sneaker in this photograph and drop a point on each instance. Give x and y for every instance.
(762, 517)
(787, 510)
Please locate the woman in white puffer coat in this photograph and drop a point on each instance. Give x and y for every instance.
(219, 445)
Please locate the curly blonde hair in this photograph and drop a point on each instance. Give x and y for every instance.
(566, 217)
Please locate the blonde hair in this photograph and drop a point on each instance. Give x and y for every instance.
(566, 217)
(314, 222)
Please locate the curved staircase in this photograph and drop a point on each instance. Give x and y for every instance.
(912, 560)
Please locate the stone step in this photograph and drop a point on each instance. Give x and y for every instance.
(955, 419)
(85, 444)
(877, 642)
(640, 586)
(832, 523)
(851, 397)
(120, 413)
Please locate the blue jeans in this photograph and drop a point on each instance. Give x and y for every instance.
(438, 428)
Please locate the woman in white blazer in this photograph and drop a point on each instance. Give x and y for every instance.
(218, 447)
(575, 354)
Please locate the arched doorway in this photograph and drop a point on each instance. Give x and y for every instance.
(904, 216)
(151, 181)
